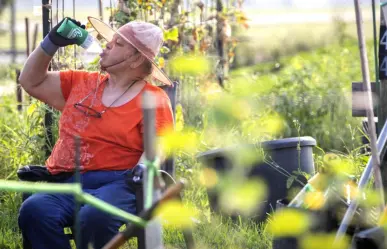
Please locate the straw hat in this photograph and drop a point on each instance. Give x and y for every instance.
(146, 37)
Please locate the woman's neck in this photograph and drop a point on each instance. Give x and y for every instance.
(121, 82)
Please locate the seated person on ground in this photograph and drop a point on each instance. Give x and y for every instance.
(104, 110)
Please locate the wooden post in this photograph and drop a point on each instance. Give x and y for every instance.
(219, 42)
(111, 14)
(19, 92)
(100, 8)
(13, 32)
(35, 36)
(27, 23)
(48, 119)
(174, 13)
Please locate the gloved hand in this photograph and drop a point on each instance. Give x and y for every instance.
(59, 40)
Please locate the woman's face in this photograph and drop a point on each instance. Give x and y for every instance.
(117, 54)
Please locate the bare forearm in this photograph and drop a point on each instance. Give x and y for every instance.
(35, 69)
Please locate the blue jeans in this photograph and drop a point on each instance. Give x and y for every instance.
(42, 217)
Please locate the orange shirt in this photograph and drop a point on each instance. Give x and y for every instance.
(112, 142)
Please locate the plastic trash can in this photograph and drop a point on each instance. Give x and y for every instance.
(283, 153)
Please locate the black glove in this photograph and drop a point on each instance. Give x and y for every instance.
(36, 173)
(59, 40)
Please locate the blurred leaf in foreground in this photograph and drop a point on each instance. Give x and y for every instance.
(268, 125)
(190, 65)
(175, 213)
(323, 241)
(334, 164)
(208, 177)
(247, 156)
(314, 200)
(174, 141)
(288, 222)
(179, 118)
(246, 87)
(244, 197)
(371, 198)
(227, 110)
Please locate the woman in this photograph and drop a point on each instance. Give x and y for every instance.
(105, 111)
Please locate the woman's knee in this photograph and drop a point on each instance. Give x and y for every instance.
(37, 210)
(31, 210)
(96, 220)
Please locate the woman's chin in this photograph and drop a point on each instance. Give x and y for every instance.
(102, 63)
(102, 66)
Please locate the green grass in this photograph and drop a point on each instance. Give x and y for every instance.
(10, 237)
(270, 42)
(21, 41)
(366, 11)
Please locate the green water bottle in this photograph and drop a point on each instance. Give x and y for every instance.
(70, 30)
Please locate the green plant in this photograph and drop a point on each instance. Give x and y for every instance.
(314, 89)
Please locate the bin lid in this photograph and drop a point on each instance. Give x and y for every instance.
(289, 142)
(267, 145)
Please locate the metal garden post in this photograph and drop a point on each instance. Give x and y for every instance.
(46, 13)
(374, 163)
(152, 192)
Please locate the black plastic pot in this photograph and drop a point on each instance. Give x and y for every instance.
(282, 153)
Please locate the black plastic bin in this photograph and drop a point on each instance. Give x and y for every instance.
(283, 152)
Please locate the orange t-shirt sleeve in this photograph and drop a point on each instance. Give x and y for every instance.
(66, 82)
(164, 116)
